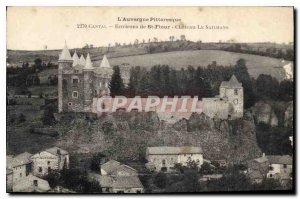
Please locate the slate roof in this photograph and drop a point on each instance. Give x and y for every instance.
(55, 149)
(110, 166)
(126, 182)
(82, 60)
(21, 159)
(65, 55)
(174, 150)
(104, 62)
(280, 159)
(261, 159)
(232, 83)
(75, 58)
(88, 63)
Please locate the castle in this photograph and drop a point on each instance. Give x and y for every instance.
(229, 104)
(79, 81)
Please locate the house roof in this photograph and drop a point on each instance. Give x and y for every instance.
(174, 150)
(21, 159)
(55, 151)
(261, 159)
(110, 166)
(126, 182)
(280, 159)
(104, 62)
(65, 55)
(232, 83)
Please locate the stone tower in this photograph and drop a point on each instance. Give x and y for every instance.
(233, 91)
(88, 83)
(64, 64)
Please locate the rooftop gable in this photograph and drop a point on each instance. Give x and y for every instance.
(164, 150)
(88, 63)
(232, 83)
(75, 58)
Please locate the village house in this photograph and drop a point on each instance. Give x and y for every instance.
(164, 158)
(281, 167)
(17, 168)
(118, 178)
(258, 169)
(31, 183)
(50, 159)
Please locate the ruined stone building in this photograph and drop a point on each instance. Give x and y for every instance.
(229, 104)
(79, 81)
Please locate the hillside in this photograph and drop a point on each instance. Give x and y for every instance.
(126, 136)
(180, 59)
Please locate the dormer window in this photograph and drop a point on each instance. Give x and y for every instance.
(75, 81)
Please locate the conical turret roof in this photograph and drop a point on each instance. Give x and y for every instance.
(65, 54)
(104, 62)
(88, 63)
(232, 83)
(75, 58)
(82, 60)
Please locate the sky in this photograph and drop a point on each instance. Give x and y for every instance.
(33, 28)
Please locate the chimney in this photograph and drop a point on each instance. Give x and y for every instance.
(263, 155)
(58, 152)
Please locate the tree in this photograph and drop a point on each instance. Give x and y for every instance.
(22, 118)
(96, 161)
(116, 85)
(182, 38)
(48, 116)
(172, 38)
(160, 180)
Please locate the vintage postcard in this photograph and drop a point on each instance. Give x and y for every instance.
(150, 100)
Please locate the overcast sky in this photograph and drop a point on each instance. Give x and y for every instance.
(31, 28)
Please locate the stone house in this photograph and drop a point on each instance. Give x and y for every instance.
(164, 158)
(258, 168)
(50, 159)
(31, 183)
(17, 168)
(281, 167)
(116, 177)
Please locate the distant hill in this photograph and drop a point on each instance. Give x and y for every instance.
(177, 54)
(181, 59)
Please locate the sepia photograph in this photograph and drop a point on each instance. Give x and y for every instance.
(150, 100)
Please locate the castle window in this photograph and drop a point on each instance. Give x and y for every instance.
(75, 81)
(76, 71)
(100, 84)
(75, 94)
(106, 85)
(235, 91)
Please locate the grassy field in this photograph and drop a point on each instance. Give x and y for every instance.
(180, 59)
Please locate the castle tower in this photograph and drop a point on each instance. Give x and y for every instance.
(233, 91)
(64, 63)
(88, 83)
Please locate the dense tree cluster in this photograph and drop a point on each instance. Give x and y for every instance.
(162, 80)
